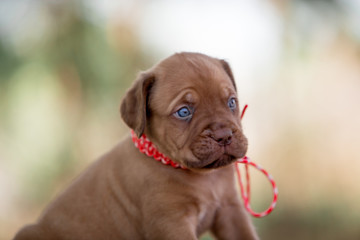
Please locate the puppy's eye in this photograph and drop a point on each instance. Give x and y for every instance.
(183, 113)
(232, 103)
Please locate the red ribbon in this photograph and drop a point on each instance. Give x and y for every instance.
(246, 194)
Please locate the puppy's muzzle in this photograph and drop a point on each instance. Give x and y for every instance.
(218, 145)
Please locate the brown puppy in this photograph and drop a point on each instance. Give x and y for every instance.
(187, 106)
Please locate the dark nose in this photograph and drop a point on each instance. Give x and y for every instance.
(222, 136)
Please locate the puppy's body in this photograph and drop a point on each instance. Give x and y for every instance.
(127, 195)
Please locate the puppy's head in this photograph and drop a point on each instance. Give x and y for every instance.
(188, 107)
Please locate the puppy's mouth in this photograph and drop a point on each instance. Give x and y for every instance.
(215, 160)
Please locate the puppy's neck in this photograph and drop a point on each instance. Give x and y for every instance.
(147, 147)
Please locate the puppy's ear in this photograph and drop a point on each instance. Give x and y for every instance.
(133, 107)
(227, 69)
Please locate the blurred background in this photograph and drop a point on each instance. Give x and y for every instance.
(65, 65)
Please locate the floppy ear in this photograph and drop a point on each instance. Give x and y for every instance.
(133, 107)
(227, 69)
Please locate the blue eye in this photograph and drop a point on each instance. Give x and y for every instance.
(183, 113)
(232, 103)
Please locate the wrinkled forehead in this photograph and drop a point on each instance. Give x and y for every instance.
(192, 77)
(199, 69)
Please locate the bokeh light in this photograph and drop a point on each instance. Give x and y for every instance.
(65, 65)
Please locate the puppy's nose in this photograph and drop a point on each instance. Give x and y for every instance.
(222, 136)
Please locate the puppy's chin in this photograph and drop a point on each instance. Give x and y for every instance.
(217, 162)
(220, 162)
